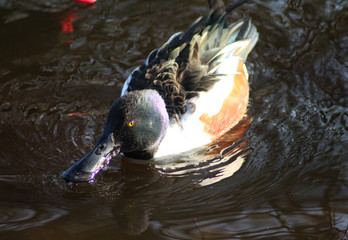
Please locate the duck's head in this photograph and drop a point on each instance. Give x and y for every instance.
(136, 124)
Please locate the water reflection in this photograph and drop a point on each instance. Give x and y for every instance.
(220, 160)
(292, 183)
(14, 217)
(156, 182)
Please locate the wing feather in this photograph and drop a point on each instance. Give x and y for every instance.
(187, 64)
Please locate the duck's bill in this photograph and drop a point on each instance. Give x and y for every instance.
(86, 169)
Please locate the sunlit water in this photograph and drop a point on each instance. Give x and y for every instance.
(280, 174)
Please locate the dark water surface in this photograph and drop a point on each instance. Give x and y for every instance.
(57, 58)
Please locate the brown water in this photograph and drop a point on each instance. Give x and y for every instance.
(293, 181)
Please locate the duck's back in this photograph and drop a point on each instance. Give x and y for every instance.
(202, 78)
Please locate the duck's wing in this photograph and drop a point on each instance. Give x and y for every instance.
(187, 63)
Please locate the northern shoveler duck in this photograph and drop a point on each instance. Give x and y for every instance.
(186, 94)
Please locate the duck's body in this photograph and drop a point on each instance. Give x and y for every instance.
(186, 94)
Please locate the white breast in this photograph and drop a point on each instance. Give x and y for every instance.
(189, 133)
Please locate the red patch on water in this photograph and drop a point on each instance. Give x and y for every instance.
(77, 114)
(66, 22)
(85, 1)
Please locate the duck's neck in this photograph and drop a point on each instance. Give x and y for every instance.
(143, 155)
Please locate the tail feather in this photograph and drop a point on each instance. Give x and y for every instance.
(216, 41)
(243, 30)
(250, 33)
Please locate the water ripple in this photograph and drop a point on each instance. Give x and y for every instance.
(282, 175)
(14, 217)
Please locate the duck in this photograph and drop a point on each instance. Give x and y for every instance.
(186, 94)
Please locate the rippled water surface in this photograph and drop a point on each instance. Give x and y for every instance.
(281, 174)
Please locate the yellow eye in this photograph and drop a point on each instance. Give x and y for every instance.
(131, 124)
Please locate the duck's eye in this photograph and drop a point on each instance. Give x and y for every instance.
(131, 124)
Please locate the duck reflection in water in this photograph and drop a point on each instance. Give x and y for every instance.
(140, 198)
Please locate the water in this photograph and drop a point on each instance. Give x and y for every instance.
(281, 174)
